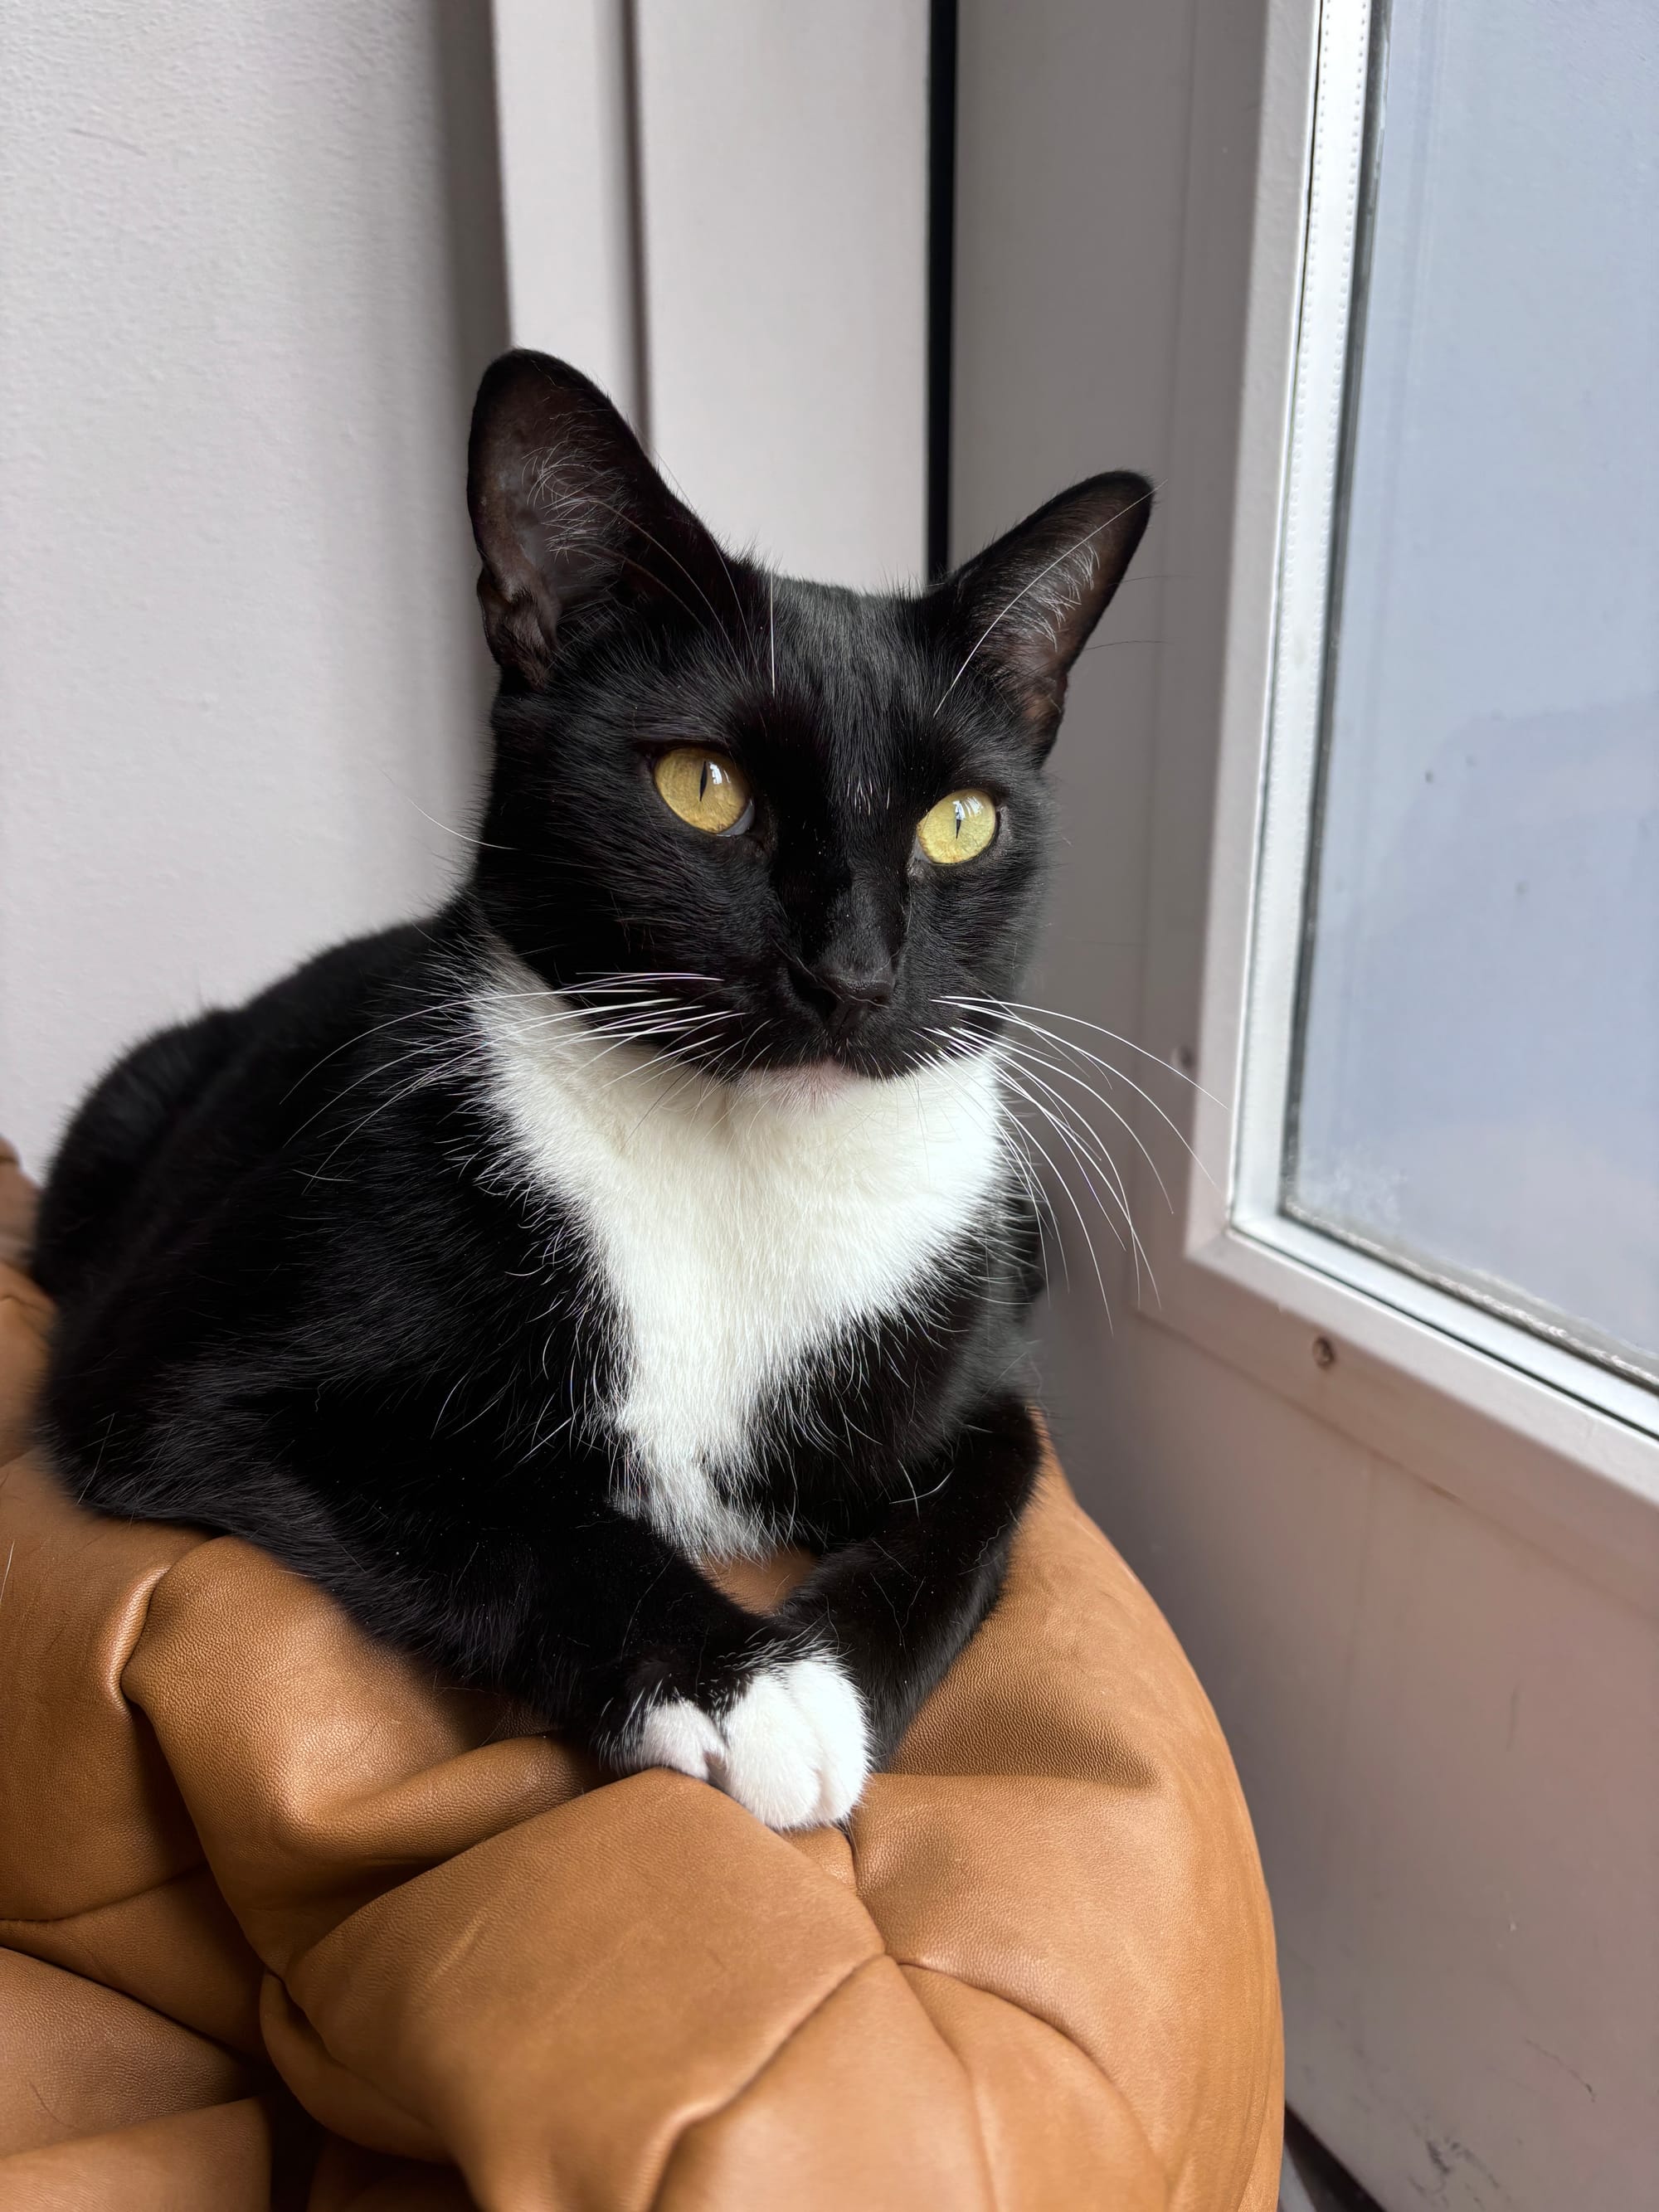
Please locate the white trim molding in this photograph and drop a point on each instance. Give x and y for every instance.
(1553, 1445)
(565, 105)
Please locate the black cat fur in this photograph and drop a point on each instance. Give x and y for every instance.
(315, 1293)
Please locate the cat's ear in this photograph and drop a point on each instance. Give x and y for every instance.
(1022, 611)
(566, 509)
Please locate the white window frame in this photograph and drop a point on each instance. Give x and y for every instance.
(1550, 1443)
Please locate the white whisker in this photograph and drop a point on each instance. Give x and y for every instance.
(1028, 1059)
(1031, 1137)
(1019, 1006)
(1068, 1120)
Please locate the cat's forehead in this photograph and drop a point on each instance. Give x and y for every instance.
(850, 686)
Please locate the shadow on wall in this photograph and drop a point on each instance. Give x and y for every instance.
(464, 68)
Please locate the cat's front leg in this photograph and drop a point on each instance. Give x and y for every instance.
(897, 1605)
(618, 1639)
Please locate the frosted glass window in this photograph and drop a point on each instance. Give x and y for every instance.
(1476, 1096)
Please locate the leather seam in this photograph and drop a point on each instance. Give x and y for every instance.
(924, 1966)
(743, 2087)
(104, 1904)
(961, 2066)
(1030, 2012)
(1000, 1997)
(254, 2063)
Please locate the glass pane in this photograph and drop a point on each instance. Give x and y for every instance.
(1477, 1093)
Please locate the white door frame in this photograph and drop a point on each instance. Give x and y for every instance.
(1412, 1549)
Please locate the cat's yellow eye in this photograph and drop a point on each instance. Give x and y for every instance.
(958, 827)
(703, 788)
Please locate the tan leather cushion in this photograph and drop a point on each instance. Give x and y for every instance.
(248, 1858)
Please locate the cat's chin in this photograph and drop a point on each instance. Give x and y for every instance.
(808, 1089)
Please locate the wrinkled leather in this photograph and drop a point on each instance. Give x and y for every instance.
(288, 1924)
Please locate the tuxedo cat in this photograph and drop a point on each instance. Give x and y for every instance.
(652, 1202)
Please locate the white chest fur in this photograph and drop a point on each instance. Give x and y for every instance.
(740, 1229)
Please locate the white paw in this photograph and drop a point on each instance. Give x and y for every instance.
(792, 1748)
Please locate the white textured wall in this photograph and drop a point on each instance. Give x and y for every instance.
(250, 267)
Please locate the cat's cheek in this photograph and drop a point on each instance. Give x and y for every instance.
(793, 1747)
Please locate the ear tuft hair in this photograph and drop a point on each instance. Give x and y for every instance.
(568, 510)
(1024, 609)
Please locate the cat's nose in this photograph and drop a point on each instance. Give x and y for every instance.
(842, 989)
(857, 982)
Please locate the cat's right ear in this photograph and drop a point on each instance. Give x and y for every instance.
(1024, 609)
(566, 508)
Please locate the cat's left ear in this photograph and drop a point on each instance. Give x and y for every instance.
(1022, 610)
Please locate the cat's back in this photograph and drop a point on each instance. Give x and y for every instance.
(196, 1109)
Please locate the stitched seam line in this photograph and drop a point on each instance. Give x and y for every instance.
(258, 2064)
(923, 1966)
(106, 1903)
(961, 2065)
(748, 2083)
(997, 1997)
